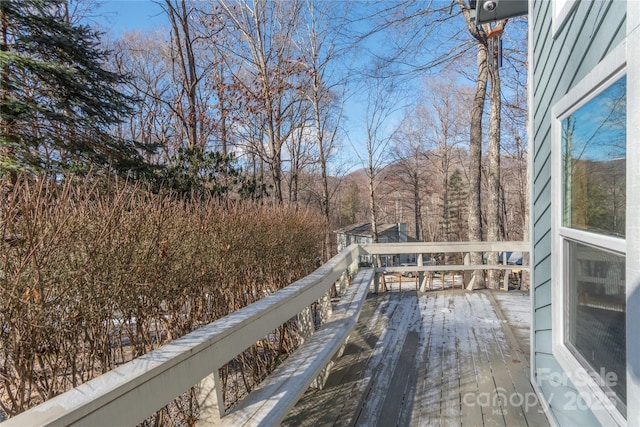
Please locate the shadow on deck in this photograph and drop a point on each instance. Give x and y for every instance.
(449, 357)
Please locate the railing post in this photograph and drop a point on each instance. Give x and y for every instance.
(421, 284)
(305, 323)
(422, 281)
(466, 277)
(210, 400)
(325, 308)
(525, 274)
(376, 275)
(506, 272)
(325, 312)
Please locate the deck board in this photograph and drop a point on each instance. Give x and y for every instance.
(439, 358)
(469, 365)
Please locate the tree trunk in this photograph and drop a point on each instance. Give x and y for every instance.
(417, 206)
(475, 164)
(180, 24)
(373, 216)
(324, 202)
(218, 76)
(493, 205)
(372, 207)
(322, 160)
(275, 153)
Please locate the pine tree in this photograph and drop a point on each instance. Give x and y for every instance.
(58, 104)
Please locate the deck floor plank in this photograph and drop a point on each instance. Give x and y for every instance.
(433, 359)
(468, 366)
(503, 391)
(450, 369)
(383, 405)
(430, 396)
(420, 364)
(513, 308)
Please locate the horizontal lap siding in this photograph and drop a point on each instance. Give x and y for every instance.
(592, 30)
(559, 398)
(543, 292)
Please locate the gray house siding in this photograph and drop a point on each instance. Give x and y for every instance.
(590, 32)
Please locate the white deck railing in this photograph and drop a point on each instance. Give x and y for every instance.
(132, 392)
(419, 249)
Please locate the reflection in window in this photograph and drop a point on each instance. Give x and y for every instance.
(596, 313)
(594, 163)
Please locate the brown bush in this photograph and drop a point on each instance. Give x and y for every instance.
(93, 275)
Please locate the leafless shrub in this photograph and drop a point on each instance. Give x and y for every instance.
(93, 275)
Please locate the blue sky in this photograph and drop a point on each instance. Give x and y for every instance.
(600, 133)
(126, 15)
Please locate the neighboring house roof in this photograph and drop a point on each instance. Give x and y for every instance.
(364, 229)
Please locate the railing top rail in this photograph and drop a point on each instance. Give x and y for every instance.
(445, 247)
(450, 267)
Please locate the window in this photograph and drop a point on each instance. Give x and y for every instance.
(594, 201)
(594, 163)
(595, 287)
(593, 226)
(589, 262)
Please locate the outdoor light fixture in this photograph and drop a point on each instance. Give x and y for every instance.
(484, 11)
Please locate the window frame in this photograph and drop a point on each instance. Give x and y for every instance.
(560, 11)
(608, 71)
(633, 207)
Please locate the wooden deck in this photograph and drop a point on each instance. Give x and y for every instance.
(450, 358)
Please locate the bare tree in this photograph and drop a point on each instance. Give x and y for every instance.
(380, 105)
(267, 70)
(448, 112)
(190, 75)
(220, 40)
(495, 112)
(481, 35)
(325, 92)
(514, 176)
(145, 58)
(514, 173)
(299, 148)
(409, 150)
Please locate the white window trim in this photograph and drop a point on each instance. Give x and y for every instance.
(598, 240)
(633, 207)
(611, 68)
(560, 11)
